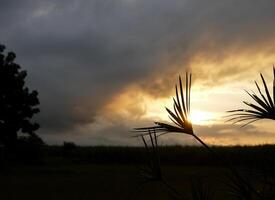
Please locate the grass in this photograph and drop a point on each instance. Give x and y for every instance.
(95, 173)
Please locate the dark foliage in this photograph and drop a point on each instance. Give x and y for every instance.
(17, 103)
(68, 146)
(254, 156)
(28, 150)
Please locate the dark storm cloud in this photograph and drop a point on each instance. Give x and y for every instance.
(79, 54)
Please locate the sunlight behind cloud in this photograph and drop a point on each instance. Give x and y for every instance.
(209, 103)
(202, 117)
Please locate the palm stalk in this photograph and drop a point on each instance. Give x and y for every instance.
(263, 106)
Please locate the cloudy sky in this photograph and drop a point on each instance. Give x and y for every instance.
(104, 67)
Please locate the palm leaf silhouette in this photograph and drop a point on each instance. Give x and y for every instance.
(182, 124)
(180, 116)
(263, 106)
(153, 170)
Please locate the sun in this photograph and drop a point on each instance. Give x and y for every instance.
(201, 117)
(197, 117)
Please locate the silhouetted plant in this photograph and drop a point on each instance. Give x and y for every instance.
(69, 146)
(237, 190)
(17, 103)
(200, 191)
(181, 115)
(181, 118)
(152, 170)
(262, 108)
(267, 178)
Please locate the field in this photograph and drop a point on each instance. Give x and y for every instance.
(113, 173)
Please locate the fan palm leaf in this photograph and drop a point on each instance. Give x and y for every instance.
(180, 116)
(263, 106)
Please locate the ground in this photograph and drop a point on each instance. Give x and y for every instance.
(104, 181)
(109, 173)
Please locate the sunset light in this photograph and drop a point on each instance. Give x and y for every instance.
(134, 92)
(114, 72)
(201, 117)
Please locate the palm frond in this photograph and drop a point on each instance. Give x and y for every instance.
(237, 189)
(263, 106)
(180, 116)
(201, 191)
(152, 170)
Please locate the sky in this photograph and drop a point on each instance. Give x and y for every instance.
(104, 67)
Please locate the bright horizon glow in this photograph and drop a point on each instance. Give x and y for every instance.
(201, 117)
(155, 108)
(208, 108)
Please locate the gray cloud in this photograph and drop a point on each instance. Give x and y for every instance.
(79, 54)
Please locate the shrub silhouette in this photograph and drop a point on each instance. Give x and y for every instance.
(17, 103)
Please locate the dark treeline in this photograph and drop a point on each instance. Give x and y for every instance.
(169, 155)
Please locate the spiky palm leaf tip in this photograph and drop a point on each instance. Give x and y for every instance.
(263, 106)
(180, 116)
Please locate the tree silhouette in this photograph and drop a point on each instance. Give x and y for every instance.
(17, 103)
